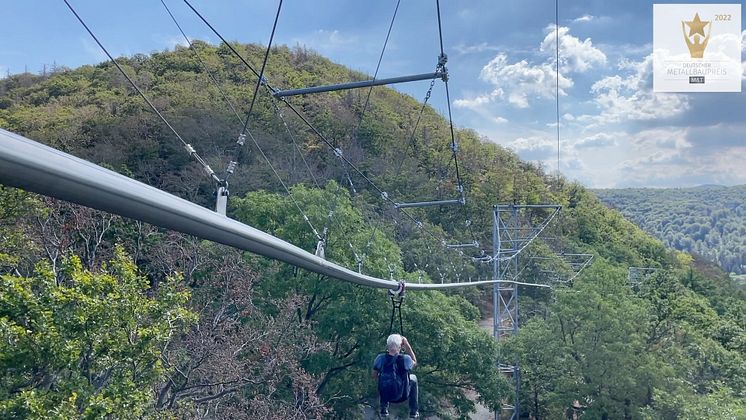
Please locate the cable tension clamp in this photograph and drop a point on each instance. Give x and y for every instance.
(398, 292)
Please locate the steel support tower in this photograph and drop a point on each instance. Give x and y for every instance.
(637, 275)
(573, 265)
(512, 232)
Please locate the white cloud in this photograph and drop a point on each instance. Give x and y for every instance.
(328, 42)
(479, 101)
(584, 18)
(541, 148)
(573, 163)
(669, 138)
(94, 50)
(534, 147)
(574, 55)
(518, 82)
(630, 97)
(625, 49)
(597, 141)
(467, 14)
(477, 48)
(521, 82)
(171, 42)
(671, 156)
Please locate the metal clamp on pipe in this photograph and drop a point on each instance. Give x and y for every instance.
(399, 291)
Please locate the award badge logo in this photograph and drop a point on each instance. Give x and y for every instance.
(696, 40)
(705, 56)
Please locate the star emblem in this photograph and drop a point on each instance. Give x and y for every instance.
(697, 26)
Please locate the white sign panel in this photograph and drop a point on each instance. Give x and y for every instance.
(697, 48)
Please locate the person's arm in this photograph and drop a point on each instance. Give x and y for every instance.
(375, 372)
(408, 349)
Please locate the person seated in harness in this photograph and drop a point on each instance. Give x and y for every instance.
(392, 370)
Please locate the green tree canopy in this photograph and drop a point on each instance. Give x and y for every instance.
(85, 345)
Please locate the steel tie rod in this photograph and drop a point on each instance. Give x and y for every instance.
(360, 84)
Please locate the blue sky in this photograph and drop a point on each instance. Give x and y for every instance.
(615, 132)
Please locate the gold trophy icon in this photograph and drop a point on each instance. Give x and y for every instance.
(696, 40)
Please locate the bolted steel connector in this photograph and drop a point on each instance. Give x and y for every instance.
(442, 60)
(221, 203)
(241, 139)
(338, 152)
(320, 249)
(190, 149)
(444, 75)
(231, 167)
(442, 69)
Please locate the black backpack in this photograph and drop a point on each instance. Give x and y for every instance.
(393, 380)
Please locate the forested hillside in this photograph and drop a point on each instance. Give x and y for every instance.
(106, 317)
(708, 220)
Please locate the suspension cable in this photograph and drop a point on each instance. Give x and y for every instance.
(259, 81)
(186, 145)
(233, 50)
(264, 65)
(411, 141)
(284, 186)
(454, 145)
(204, 65)
(232, 164)
(440, 29)
(384, 195)
(378, 66)
(278, 112)
(356, 130)
(228, 101)
(323, 138)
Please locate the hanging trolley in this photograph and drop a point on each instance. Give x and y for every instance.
(397, 298)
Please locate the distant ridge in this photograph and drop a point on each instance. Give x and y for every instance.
(709, 220)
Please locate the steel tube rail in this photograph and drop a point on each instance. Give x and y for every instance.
(474, 244)
(503, 207)
(357, 85)
(427, 203)
(41, 169)
(520, 283)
